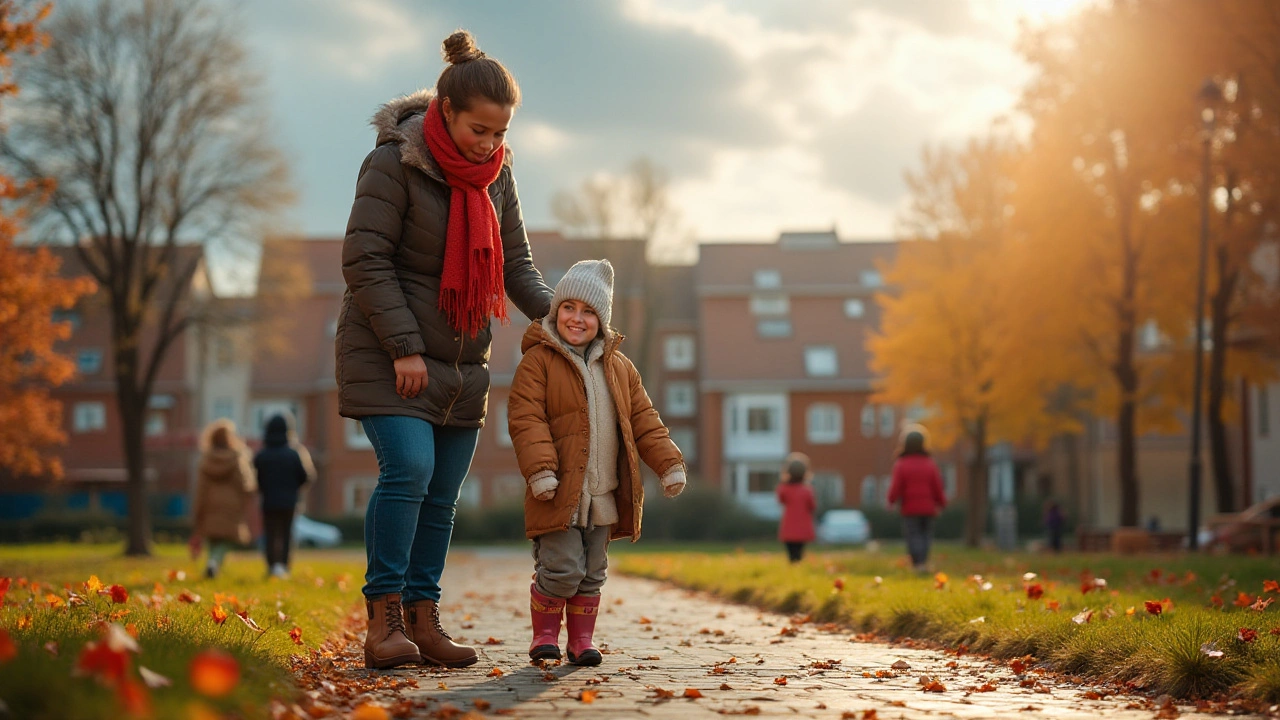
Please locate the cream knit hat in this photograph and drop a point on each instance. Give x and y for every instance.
(590, 281)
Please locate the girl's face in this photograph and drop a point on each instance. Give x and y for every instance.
(577, 323)
(478, 132)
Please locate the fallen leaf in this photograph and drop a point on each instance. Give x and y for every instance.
(644, 620)
(153, 679)
(725, 686)
(93, 585)
(1028, 577)
(296, 635)
(1211, 649)
(214, 673)
(988, 687)
(1247, 635)
(496, 672)
(8, 650)
(481, 704)
(370, 711)
(940, 580)
(1243, 600)
(838, 584)
(934, 686)
(1261, 604)
(662, 694)
(587, 696)
(1035, 591)
(493, 641)
(51, 647)
(780, 681)
(119, 595)
(1154, 607)
(219, 615)
(900, 665)
(693, 693)
(1083, 617)
(188, 597)
(1269, 586)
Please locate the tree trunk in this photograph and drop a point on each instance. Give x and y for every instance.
(132, 409)
(1223, 482)
(975, 522)
(1127, 424)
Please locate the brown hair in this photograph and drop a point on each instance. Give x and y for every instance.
(221, 435)
(472, 74)
(796, 468)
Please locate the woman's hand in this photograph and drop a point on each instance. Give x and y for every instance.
(411, 376)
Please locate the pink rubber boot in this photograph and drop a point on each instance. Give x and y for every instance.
(546, 613)
(580, 618)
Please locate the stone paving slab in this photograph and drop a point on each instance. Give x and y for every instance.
(661, 641)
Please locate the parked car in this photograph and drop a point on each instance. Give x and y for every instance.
(311, 533)
(844, 527)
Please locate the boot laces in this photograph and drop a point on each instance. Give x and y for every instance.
(435, 620)
(395, 617)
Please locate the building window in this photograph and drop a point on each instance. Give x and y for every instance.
(356, 493)
(761, 420)
(71, 317)
(681, 400)
(157, 423)
(820, 361)
(828, 489)
(770, 304)
(825, 423)
(89, 362)
(886, 421)
(678, 352)
(224, 407)
(854, 308)
(162, 402)
(687, 440)
(916, 413)
(761, 481)
(89, 417)
(1264, 412)
(224, 352)
(871, 278)
(756, 427)
(767, 278)
(356, 437)
(870, 495)
(886, 481)
(1150, 337)
(501, 430)
(868, 420)
(774, 328)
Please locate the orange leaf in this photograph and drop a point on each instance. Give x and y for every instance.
(93, 585)
(188, 597)
(1261, 603)
(296, 635)
(1051, 605)
(214, 673)
(838, 584)
(4, 588)
(780, 680)
(934, 686)
(24, 622)
(692, 693)
(99, 660)
(8, 650)
(1035, 591)
(1153, 607)
(369, 711)
(1216, 600)
(659, 694)
(54, 601)
(134, 697)
(587, 696)
(1243, 600)
(940, 580)
(1270, 586)
(119, 595)
(496, 672)
(219, 615)
(1247, 635)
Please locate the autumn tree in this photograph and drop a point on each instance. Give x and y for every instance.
(634, 204)
(147, 115)
(31, 289)
(943, 341)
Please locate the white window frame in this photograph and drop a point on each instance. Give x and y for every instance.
(356, 437)
(871, 279)
(868, 417)
(767, 278)
(829, 488)
(774, 328)
(824, 423)
(224, 407)
(89, 416)
(770, 304)
(501, 430)
(157, 423)
(686, 438)
(743, 444)
(678, 352)
(681, 399)
(888, 421)
(868, 493)
(821, 361)
(855, 308)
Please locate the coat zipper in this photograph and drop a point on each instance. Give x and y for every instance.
(458, 369)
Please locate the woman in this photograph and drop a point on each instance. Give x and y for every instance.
(918, 485)
(434, 239)
(284, 467)
(798, 505)
(224, 487)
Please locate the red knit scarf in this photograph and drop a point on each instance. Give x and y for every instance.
(471, 288)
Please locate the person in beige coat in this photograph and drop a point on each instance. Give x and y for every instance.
(581, 422)
(225, 485)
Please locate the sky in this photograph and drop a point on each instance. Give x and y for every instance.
(768, 115)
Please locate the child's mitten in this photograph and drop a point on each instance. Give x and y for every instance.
(543, 486)
(673, 483)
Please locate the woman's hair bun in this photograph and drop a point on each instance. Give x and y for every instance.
(460, 47)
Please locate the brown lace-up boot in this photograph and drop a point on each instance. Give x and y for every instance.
(387, 644)
(434, 644)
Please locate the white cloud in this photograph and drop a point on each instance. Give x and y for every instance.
(374, 33)
(539, 139)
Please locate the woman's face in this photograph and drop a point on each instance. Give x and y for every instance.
(479, 131)
(577, 323)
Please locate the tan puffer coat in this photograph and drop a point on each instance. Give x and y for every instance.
(549, 424)
(224, 485)
(392, 258)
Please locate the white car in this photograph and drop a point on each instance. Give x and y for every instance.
(312, 533)
(844, 527)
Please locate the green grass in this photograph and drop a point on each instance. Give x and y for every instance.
(40, 684)
(1121, 641)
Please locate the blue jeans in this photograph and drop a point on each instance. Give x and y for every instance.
(919, 533)
(410, 517)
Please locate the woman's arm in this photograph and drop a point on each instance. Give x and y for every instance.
(524, 283)
(368, 252)
(895, 486)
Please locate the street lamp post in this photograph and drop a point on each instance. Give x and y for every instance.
(1210, 96)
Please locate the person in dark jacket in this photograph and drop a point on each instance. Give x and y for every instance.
(435, 246)
(284, 467)
(917, 484)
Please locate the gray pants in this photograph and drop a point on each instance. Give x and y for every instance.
(919, 533)
(572, 562)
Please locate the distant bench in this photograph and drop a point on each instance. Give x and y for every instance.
(1106, 541)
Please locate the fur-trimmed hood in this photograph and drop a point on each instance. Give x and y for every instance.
(400, 122)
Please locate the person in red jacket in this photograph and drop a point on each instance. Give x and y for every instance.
(798, 505)
(917, 484)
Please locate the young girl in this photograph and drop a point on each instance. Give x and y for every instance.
(918, 485)
(224, 488)
(580, 421)
(798, 505)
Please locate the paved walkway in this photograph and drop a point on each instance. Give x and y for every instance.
(663, 644)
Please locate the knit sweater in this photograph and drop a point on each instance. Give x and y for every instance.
(597, 506)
